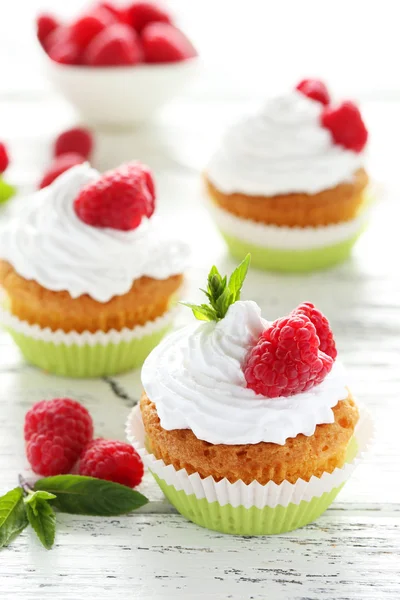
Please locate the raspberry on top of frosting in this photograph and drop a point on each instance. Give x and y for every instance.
(199, 377)
(344, 121)
(297, 142)
(47, 242)
(119, 199)
(292, 355)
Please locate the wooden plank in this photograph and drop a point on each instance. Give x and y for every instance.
(343, 556)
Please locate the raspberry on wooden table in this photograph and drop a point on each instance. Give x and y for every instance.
(56, 432)
(112, 460)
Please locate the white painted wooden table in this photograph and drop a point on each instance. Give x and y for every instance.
(353, 551)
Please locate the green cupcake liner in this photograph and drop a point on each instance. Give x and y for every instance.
(87, 360)
(236, 508)
(252, 521)
(247, 521)
(291, 261)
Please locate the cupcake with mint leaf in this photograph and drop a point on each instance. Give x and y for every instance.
(248, 425)
(89, 277)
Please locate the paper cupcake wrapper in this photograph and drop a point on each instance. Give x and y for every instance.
(86, 354)
(291, 249)
(252, 509)
(291, 261)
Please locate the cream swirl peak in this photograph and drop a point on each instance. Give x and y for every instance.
(195, 378)
(281, 149)
(47, 242)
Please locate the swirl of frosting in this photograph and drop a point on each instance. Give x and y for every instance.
(46, 242)
(196, 381)
(282, 149)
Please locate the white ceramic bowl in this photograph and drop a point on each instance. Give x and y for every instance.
(120, 97)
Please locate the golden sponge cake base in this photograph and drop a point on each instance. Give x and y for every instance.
(300, 457)
(29, 301)
(330, 206)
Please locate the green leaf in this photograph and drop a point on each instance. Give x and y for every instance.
(40, 495)
(81, 495)
(42, 518)
(7, 191)
(13, 517)
(237, 278)
(220, 293)
(202, 312)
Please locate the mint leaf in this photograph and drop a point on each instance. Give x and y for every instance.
(34, 497)
(202, 312)
(237, 278)
(220, 294)
(6, 191)
(41, 516)
(13, 517)
(81, 495)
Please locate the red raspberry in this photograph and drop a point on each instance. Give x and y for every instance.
(114, 10)
(346, 125)
(59, 165)
(4, 159)
(45, 24)
(77, 139)
(60, 35)
(118, 199)
(114, 461)
(322, 326)
(65, 53)
(86, 27)
(314, 89)
(140, 14)
(56, 431)
(163, 43)
(117, 45)
(50, 455)
(286, 359)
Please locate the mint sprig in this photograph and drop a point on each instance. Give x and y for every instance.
(220, 292)
(73, 494)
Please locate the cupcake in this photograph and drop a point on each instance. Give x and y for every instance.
(247, 425)
(88, 278)
(288, 184)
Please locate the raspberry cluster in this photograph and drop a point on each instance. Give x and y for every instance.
(108, 35)
(59, 439)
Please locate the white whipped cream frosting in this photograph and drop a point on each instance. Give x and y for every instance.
(196, 380)
(281, 149)
(46, 241)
